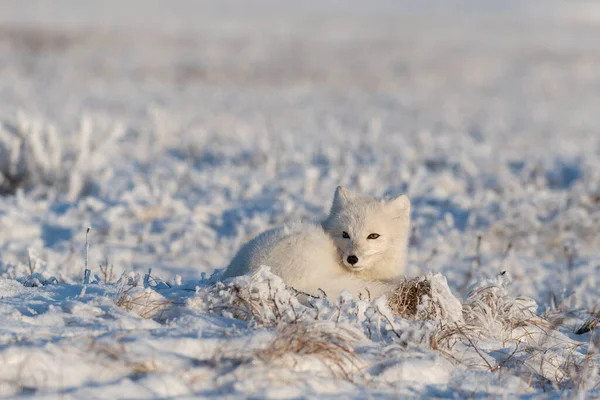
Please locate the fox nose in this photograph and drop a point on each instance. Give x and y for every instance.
(352, 260)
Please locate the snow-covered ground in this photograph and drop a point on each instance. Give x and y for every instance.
(177, 130)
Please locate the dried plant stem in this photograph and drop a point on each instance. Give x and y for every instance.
(86, 271)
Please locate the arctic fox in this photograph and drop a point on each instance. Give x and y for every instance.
(361, 246)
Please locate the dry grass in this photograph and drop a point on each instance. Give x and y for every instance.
(118, 352)
(331, 346)
(249, 304)
(408, 299)
(107, 271)
(529, 345)
(147, 304)
(581, 380)
(426, 298)
(539, 352)
(265, 301)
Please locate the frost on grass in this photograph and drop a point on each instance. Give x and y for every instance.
(144, 302)
(489, 330)
(421, 326)
(264, 338)
(498, 141)
(35, 156)
(332, 345)
(502, 333)
(263, 299)
(491, 312)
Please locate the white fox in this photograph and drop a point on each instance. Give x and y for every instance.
(361, 246)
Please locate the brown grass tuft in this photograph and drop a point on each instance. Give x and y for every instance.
(147, 304)
(406, 299)
(332, 347)
(118, 352)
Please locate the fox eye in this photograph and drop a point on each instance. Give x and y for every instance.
(345, 235)
(373, 236)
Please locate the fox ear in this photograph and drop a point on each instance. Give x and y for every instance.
(399, 205)
(341, 197)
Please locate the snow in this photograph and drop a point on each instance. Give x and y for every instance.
(179, 130)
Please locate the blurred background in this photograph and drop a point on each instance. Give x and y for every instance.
(180, 129)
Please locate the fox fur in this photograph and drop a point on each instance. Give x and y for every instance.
(361, 247)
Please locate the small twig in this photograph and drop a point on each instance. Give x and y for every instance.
(107, 273)
(316, 308)
(296, 315)
(478, 252)
(293, 311)
(389, 322)
(339, 310)
(274, 300)
(506, 360)
(475, 347)
(87, 245)
(300, 292)
(32, 264)
(554, 300)
(86, 271)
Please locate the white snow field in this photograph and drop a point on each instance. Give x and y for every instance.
(177, 130)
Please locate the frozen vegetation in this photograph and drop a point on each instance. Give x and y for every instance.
(178, 130)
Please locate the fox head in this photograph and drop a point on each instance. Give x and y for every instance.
(369, 233)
